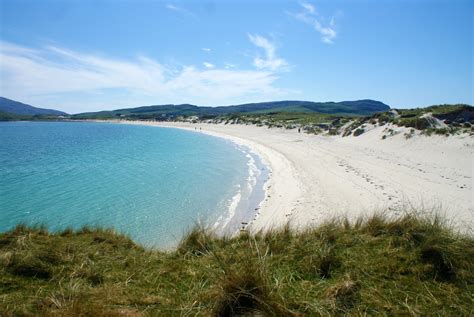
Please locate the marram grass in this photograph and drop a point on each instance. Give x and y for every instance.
(377, 266)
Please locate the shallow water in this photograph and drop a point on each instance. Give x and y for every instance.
(151, 183)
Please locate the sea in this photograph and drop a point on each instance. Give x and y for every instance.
(151, 183)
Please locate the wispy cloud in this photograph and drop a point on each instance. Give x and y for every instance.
(271, 61)
(209, 65)
(172, 7)
(308, 7)
(180, 10)
(206, 49)
(229, 65)
(49, 73)
(310, 16)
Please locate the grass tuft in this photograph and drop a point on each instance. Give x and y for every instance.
(197, 242)
(344, 294)
(28, 267)
(439, 259)
(242, 293)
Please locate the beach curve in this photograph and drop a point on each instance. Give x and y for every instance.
(316, 178)
(282, 188)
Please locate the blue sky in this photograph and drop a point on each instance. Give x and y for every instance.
(91, 55)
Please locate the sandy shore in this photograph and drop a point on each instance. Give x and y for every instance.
(314, 178)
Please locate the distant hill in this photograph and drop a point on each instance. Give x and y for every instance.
(359, 107)
(20, 109)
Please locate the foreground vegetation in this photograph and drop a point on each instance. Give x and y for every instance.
(379, 266)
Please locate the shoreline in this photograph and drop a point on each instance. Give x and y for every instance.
(281, 189)
(244, 206)
(273, 209)
(317, 178)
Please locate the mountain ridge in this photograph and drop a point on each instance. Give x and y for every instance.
(361, 107)
(14, 107)
(357, 107)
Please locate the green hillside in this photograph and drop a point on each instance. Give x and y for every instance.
(163, 112)
(5, 116)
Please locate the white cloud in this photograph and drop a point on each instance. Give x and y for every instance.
(271, 61)
(312, 18)
(206, 49)
(229, 65)
(209, 65)
(172, 7)
(180, 10)
(46, 76)
(308, 6)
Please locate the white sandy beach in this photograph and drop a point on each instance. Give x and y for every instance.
(315, 178)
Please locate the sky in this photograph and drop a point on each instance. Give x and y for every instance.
(80, 56)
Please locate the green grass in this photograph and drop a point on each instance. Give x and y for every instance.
(457, 118)
(436, 110)
(377, 266)
(412, 118)
(314, 123)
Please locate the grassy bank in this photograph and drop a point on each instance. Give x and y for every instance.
(404, 266)
(441, 120)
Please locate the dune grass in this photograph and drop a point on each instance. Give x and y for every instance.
(376, 266)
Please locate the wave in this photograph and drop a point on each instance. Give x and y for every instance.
(244, 204)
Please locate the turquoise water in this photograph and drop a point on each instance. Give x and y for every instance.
(151, 183)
